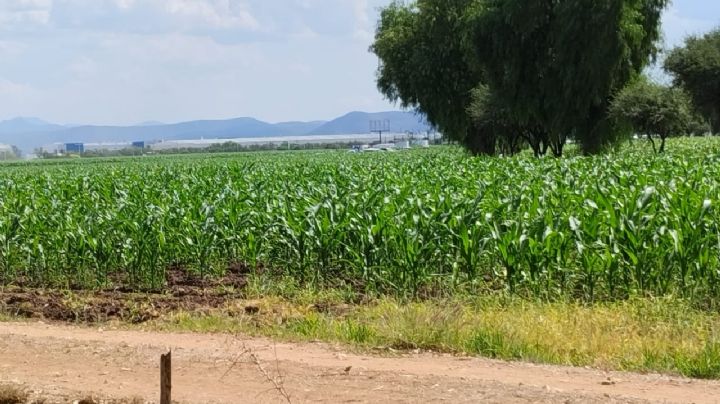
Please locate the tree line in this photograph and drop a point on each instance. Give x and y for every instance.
(500, 75)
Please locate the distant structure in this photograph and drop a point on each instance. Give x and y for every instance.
(398, 140)
(74, 147)
(79, 148)
(6, 152)
(277, 141)
(402, 144)
(380, 127)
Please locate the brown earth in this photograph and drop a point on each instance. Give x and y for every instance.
(64, 363)
(183, 291)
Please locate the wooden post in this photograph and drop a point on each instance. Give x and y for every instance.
(165, 378)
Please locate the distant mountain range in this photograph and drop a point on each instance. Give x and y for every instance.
(31, 133)
(25, 125)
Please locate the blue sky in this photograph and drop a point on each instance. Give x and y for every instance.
(128, 61)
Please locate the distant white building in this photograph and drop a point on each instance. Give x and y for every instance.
(107, 146)
(279, 141)
(62, 148)
(6, 151)
(396, 140)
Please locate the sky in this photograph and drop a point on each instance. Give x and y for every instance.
(123, 62)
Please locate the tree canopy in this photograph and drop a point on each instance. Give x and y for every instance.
(424, 63)
(551, 67)
(696, 67)
(654, 110)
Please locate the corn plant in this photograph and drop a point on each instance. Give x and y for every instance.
(593, 228)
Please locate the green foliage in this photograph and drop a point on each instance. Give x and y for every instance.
(551, 67)
(654, 110)
(492, 121)
(423, 222)
(696, 67)
(555, 65)
(424, 65)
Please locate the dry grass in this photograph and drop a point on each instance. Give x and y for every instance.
(614, 336)
(274, 376)
(94, 400)
(13, 394)
(10, 394)
(642, 335)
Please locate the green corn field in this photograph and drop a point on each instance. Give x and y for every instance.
(600, 228)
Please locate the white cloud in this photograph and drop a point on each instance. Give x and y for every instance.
(125, 61)
(125, 4)
(360, 11)
(304, 32)
(8, 87)
(177, 50)
(677, 27)
(83, 67)
(25, 5)
(18, 13)
(16, 99)
(10, 48)
(362, 20)
(216, 13)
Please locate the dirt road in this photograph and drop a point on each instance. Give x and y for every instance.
(67, 363)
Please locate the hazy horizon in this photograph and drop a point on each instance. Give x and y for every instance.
(390, 108)
(123, 62)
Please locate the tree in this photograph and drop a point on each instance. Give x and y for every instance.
(555, 65)
(654, 110)
(491, 121)
(424, 65)
(698, 126)
(551, 67)
(696, 67)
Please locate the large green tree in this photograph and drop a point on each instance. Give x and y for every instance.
(490, 121)
(654, 110)
(425, 65)
(555, 64)
(696, 67)
(551, 66)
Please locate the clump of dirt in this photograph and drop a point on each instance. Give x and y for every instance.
(178, 277)
(184, 291)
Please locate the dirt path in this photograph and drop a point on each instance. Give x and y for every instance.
(63, 362)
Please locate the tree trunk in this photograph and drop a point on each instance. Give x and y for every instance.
(534, 143)
(662, 144)
(480, 143)
(653, 143)
(557, 146)
(715, 123)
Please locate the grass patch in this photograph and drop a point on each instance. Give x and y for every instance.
(646, 335)
(10, 394)
(666, 335)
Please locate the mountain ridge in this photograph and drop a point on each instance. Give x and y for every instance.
(31, 133)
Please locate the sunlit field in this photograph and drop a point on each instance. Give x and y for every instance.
(608, 227)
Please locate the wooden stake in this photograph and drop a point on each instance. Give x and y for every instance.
(165, 378)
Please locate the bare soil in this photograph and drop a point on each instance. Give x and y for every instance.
(183, 291)
(63, 363)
